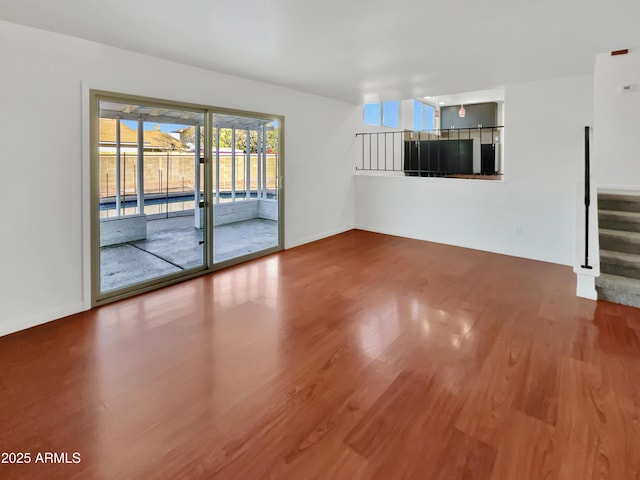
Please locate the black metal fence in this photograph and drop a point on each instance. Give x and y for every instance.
(461, 152)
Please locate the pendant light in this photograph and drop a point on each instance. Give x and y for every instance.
(462, 112)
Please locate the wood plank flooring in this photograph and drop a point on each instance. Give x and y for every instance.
(361, 356)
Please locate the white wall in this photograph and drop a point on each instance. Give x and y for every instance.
(616, 157)
(531, 214)
(41, 187)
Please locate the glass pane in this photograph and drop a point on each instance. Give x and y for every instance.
(245, 185)
(418, 115)
(372, 113)
(150, 223)
(429, 113)
(390, 114)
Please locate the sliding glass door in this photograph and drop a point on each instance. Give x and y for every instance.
(179, 190)
(246, 214)
(149, 191)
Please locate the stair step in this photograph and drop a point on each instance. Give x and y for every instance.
(616, 289)
(618, 283)
(616, 220)
(620, 241)
(621, 264)
(616, 297)
(624, 203)
(623, 285)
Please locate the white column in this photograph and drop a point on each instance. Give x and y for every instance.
(118, 172)
(259, 162)
(218, 165)
(196, 182)
(247, 171)
(264, 166)
(233, 164)
(140, 172)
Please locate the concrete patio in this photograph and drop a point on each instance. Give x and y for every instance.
(172, 245)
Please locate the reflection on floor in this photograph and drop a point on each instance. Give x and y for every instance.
(173, 245)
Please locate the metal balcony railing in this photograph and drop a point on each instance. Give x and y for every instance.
(456, 153)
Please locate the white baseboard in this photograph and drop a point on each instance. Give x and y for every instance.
(426, 238)
(320, 236)
(389, 231)
(16, 325)
(586, 286)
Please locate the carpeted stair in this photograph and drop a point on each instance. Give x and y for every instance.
(619, 223)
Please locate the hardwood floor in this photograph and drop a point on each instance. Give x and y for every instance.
(361, 356)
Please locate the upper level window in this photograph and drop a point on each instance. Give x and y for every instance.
(390, 114)
(386, 114)
(423, 115)
(372, 113)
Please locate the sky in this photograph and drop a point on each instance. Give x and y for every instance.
(164, 127)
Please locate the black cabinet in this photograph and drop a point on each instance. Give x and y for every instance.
(429, 158)
(423, 158)
(411, 166)
(488, 159)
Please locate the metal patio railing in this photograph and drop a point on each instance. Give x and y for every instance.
(436, 153)
(169, 181)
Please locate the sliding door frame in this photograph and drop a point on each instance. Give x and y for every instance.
(95, 96)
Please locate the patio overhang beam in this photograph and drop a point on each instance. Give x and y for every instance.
(164, 116)
(179, 117)
(240, 123)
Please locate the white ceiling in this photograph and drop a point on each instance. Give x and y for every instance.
(355, 50)
(467, 98)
